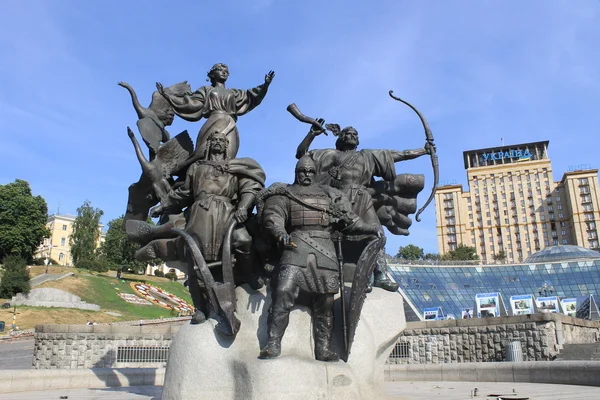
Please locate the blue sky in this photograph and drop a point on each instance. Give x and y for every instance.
(478, 70)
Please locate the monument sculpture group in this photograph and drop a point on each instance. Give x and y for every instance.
(312, 241)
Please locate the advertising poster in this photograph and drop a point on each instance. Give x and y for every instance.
(522, 305)
(487, 305)
(548, 304)
(569, 307)
(432, 314)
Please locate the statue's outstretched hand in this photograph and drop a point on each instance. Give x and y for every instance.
(318, 127)
(429, 148)
(160, 89)
(269, 77)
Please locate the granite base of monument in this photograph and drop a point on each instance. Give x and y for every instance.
(205, 364)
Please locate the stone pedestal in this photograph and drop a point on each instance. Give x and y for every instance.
(204, 364)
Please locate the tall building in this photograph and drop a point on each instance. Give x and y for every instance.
(513, 206)
(57, 246)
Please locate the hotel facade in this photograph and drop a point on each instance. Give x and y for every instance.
(513, 206)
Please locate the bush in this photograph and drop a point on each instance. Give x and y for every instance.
(42, 261)
(15, 278)
(159, 273)
(171, 275)
(93, 265)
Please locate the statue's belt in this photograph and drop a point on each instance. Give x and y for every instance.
(317, 245)
(204, 199)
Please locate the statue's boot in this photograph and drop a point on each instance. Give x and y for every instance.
(198, 317)
(278, 322)
(323, 327)
(381, 280)
(143, 232)
(165, 249)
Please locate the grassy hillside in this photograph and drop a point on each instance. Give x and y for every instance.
(101, 289)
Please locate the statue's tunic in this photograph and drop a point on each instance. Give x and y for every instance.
(353, 172)
(312, 264)
(214, 189)
(221, 107)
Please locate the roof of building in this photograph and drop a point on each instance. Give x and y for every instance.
(562, 253)
(67, 217)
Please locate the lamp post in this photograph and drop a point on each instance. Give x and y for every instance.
(545, 289)
(47, 260)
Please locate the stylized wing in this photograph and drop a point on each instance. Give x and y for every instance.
(173, 154)
(394, 206)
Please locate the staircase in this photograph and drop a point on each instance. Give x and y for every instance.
(585, 351)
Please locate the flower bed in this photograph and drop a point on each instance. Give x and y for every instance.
(161, 298)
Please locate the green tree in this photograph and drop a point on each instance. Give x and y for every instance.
(410, 252)
(15, 278)
(118, 250)
(23, 220)
(86, 232)
(431, 256)
(462, 252)
(500, 256)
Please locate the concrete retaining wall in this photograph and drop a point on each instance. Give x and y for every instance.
(485, 339)
(36, 380)
(96, 346)
(50, 297)
(586, 373)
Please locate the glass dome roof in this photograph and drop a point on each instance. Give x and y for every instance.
(561, 253)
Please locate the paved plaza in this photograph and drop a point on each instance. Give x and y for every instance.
(394, 390)
(17, 354)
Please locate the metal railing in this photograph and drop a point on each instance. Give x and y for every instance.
(142, 354)
(401, 351)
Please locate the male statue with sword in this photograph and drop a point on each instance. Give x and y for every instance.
(301, 219)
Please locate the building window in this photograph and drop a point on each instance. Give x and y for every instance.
(559, 207)
(591, 225)
(583, 181)
(589, 216)
(63, 241)
(61, 257)
(563, 232)
(557, 198)
(555, 242)
(64, 227)
(565, 241)
(563, 223)
(561, 215)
